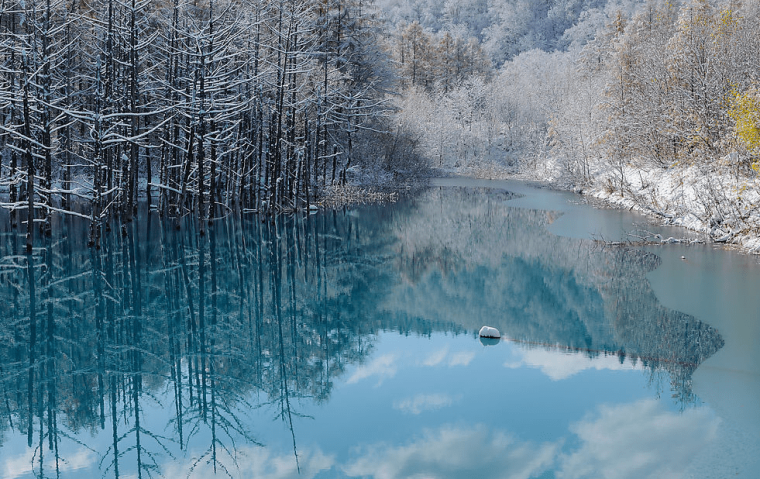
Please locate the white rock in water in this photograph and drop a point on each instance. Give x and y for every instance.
(489, 332)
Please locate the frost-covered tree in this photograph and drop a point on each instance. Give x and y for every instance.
(198, 107)
(673, 70)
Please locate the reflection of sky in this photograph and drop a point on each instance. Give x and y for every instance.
(259, 463)
(446, 407)
(382, 367)
(443, 356)
(14, 466)
(559, 364)
(449, 451)
(626, 441)
(640, 439)
(451, 409)
(424, 402)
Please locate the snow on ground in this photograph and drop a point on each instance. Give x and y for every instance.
(709, 199)
(712, 199)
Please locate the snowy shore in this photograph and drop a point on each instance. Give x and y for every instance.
(723, 206)
(714, 200)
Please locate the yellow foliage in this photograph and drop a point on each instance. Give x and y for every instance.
(727, 24)
(745, 111)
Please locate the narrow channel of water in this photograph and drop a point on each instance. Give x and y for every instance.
(344, 345)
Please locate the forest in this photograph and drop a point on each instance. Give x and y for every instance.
(197, 108)
(207, 107)
(651, 105)
(651, 82)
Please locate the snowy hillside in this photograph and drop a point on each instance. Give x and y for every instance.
(653, 105)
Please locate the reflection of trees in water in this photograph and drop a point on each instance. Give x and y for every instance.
(251, 315)
(486, 263)
(263, 315)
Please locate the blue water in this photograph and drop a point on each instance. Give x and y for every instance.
(345, 344)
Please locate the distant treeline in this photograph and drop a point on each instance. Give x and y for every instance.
(198, 106)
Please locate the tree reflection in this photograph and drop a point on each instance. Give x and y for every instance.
(268, 314)
(489, 264)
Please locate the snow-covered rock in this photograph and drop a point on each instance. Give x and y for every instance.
(489, 332)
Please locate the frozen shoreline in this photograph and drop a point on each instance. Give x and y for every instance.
(724, 207)
(718, 205)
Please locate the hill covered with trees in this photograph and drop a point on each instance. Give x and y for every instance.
(650, 104)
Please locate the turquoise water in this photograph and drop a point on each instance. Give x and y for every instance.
(345, 345)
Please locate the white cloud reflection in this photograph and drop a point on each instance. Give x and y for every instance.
(619, 442)
(559, 365)
(22, 464)
(462, 358)
(424, 402)
(452, 452)
(625, 441)
(257, 462)
(639, 440)
(437, 357)
(383, 367)
(442, 356)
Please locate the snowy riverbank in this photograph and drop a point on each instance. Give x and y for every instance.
(711, 200)
(726, 207)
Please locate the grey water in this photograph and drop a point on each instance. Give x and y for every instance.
(344, 344)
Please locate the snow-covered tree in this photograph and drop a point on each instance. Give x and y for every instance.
(203, 106)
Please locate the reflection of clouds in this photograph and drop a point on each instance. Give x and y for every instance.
(455, 452)
(628, 441)
(424, 402)
(638, 440)
(22, 464)
(561, 365)
(437, 357)
(383, 367)
(442, 356)
(386, 366)
(260, 463)
(462, 359)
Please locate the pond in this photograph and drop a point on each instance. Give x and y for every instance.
(345, 345)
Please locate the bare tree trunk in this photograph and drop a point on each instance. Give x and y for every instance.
(30, 172)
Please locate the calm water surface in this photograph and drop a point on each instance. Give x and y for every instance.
(345, 345)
